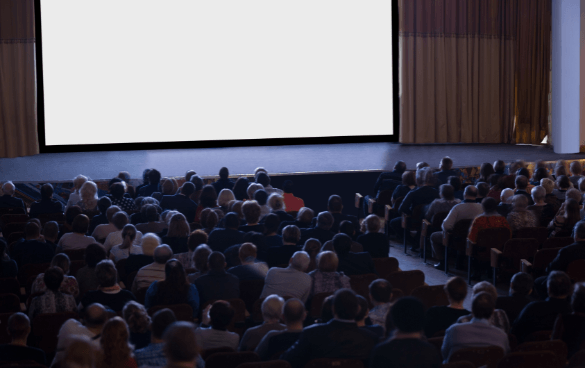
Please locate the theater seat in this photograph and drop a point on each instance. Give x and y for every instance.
(230, 360)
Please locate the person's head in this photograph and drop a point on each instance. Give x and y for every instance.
(18, 327)
(548, 185)
(88, 191)
(208, 196)
(188, 189)
(312, 247)
(247, 253)
(79, 353)
(115, 343)
(160, 321)
(150, 213)
(380, 291)
(261, 196)
(470, 192)
(560, 168)
(32, 230)
(424, 176)
(407, 315)
(94, 253)
(521, 182)
(305, 215)
(499, 166)
(149, 243)
(446, 163)
(288, 186)
(563, 182)
(168, 186)
(276, 202)
(136, 317)
(196, 238)
(579, 231)
(335, 204)
(221, 314)
(538, 194)
(581, 185)
(154, 177)
(201, 257)
(162, 254)
(53, 278)
(400, 167)
(422, 164)
(225, 196)
(103, 204)
(523, 172)
(574, 194)
(342, 244)
(291, 234)
(558, 284)
(178, 227)
(373, 224)
(80, 224)
(78, 181)
(409, 178)
(62, 261)
(241, 188)
(327, 309)
(489, 205)
(51, 231)
(263, 179)
(106, 273)
(576, 168)
(455, 182)
(128, 236)
(520, 202)
(251, 211)
(252, 188)
(180, 343)
(345, 304)
(539, 174)
(293, 312)
(175, 273)
(485, 171)
(231, 221)
(327, 261)
(572, 211)
(71, 213)
(456, 289)
(95, 316)
(197, 181)
(117, 190)
(111, 211)
(216, 261)
(325, 220)
(364, 309)
(578, 298)
(271, 223)
(224, 173)
(483, 189)
(506, 195)
(347, 227)
(300, 261)
(485, 286)
(521, 284)
(447, 192)
(272, 308)
(46, 191)
(483, 305)
(120, 219)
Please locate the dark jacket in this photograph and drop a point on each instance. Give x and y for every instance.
(221, 239)
(32, 251)
(180, 203)
(387, 179)
(419, 196)
(7, 201)
(356, 264)
(317, 233)
(539, 316)
(443, 176)
(526, 194)
(277, 256)
(512, 305)
(377, 244)
(223, 184)
(45, 206)
(566, 255)
(217, 285)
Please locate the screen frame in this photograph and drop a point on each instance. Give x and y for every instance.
(44, 148)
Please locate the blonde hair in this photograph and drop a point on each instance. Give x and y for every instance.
(224, 197)
(116, 347)
(327, 261)
(276, 202)
(78, 181)
(547, 184)
(88, 194)
(178, 226)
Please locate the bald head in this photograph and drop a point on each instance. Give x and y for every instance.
(162, 254)
(95, 315)
(293, 311)
(8, 188)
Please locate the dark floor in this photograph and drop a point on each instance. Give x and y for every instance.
(55, 167)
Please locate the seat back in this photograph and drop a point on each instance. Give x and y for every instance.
(385, 266)
(9, 303)
(45, 328)
(577, 360)
(407, 281)
(530, 359)
(250, 291)
(416, 218)
(141, 295)
(75, 266)
(557, 243)
(516, 249)
(431, 296)
(12, 211)
(11, 218)
(438, 219)
(46, 217)
(490, 238)
(269, 364)
(230, 360)
(9, 286)
(14, 236)
(75, 254)
(183, 312)
(545, 335)
(317, 304)
(31, 269)
(458, 235)
(576, 270)
(557, 347)
(121, 268)
(334, 362)
(538, 233)
(361, 283)
(480, 356)
(13, 227)
(396, 294)
(437, 342)
(208, 352)
(130, 279)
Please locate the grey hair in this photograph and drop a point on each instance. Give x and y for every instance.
(520, 201)
(8, 188)
(149, 243)
(424, 176)
(574, 194)
(547, 184)
(252, 188)
(300, 261)
(372, 224)
(162, 254)
(538, 192)
(149, 200)
(276, 202)
(272, 307)
(506, 195)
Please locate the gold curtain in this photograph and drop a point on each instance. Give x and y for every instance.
(18, 105)
(458, 69)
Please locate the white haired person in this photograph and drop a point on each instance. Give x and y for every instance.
(7, 200)
(88, 198)
(290, 281)
(74, 196)
(271, 314)
(543, 211)
(520, 217)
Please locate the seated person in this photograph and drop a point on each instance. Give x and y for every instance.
(101, 232)
(117, 191)
(221, 239)
(109, 293)
(275, 203)
(339, 338)
(550, 197)
(251, 210)
(304, 220)
(34, 249)
(363, 314)
(326, 279)
(388, 181)
(445, 203)
(570, 328)
(277, 256)
(250, 269)
(478, 332)
(518, 298)
(406, 348)
(77, 238)
(565, 219)
(521, 182)
(277, 341)
(196, 238)
(373, 241)
(483, 190)
(217, 284)
(224, 182)
(290, 281)
(271, 315)
(47, 204)
(17, 350)
(100, 219)
(271, 224)
(182, 202)
(201, 266)
(351, 263)
(152, 221)
(136, 261)
(153, 354)
(123, 251)
(7, 200)
(174, 289)
(178, 234)
(68, 285)
(380, 296)
(446, 170)
(335, 208)
(498, 317)
(138, 322)
(505, 205)
(543, 211)
(212, 332)
(154, 271)
(291, 203)
(52, 301)
(322, 230)
(347, 228)
(576, 173)
(120, 219)
(439, 318)
(94, 254)
(520, 217)
(563, 184)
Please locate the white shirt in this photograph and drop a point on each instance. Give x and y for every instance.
(74, 197)
(103, 230)
(115, 238)
(75, 241)
(120, 254)
(147, 275)
(209, 338)
(70, 328)
(462, 211)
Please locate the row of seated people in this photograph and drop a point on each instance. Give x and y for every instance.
(392, 334)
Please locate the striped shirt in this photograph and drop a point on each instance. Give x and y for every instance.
(147, 275)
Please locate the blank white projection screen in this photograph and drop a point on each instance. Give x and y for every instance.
(131, 71)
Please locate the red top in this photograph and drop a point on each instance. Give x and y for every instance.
(292, 203)
(486, 222)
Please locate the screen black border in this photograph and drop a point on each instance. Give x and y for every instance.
(216, 143)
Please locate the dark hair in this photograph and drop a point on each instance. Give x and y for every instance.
(224, 173)
(400, 166)
(197, 181)
(455, 182)
(261, 197)
(201, 258)
(347, 227)
(103, 204)
(113, 181)
(409, 178)
(145, 175)
(572, 212)
(53, 278)
(489, 204)
(106, 273)
(241, 188)
(483, 189)
(341, 244)
(522, 283)
(80, 224)
(499, 165)
(288, 186)
(216, 261)
(18, 326)
(72, 213)
(47, 191)
(470, 191)
(559, 284)
(174, 288)
(335, 204)
(271, 223)
(578, 298)
(456, 288)
(293, 310)
(160, 321)
(51, 229)
(180, 342)
(196, 238)
(32, 230)
(539, 174)
(447, 191)
(483, 305)
(345, 304)
(120, 219)
(221, 315)
(523, 172)
(407, 314)
(94, 253)
(208, 197)
(150, 213)
(563, 181)
(327, 309)
(485, 171)
(188, 188)
(447, 163)
(117, 190)
(231, 220)
(381, 290)
(255, 238)
(364, 308)
(154, 177)
(521, 181)
(263, 178)
(579, 230)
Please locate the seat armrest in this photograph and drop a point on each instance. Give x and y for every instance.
(424, 227)
(469, 248)
(526, 266)
(405, 218)
(358, 200)
(495, 256)
(371, 202)
(387, 209)
(446, 236)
